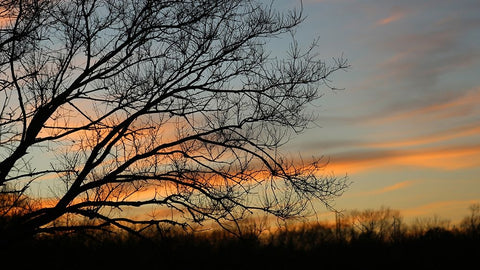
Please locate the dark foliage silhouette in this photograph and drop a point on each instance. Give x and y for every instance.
(121, 104)
(308, 245)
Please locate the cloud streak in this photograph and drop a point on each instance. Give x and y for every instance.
(452, 207)
(459, 105)
(395, 187)
(396, 15)
(441, 158)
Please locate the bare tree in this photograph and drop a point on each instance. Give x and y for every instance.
(382, 224)
(173, 104)
(471, 223)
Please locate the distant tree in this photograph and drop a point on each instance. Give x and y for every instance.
(382, 224)
(116, 104)
(422, 225)
(471, 223)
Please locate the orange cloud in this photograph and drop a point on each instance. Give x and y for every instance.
(399, 185)
(4, 21)
(451, 158)
(447, 158)
(6, 17)
(394, 187)
(451, 208)
(392, 18)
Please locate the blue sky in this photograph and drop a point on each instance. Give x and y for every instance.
(406, 127)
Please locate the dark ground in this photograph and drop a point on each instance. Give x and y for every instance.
(434, 251)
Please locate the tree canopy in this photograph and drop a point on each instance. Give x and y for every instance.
(175, 105)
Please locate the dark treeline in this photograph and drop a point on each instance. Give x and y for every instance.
(362, 239)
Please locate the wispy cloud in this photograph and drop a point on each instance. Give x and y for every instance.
(441, 158)
(461, 104)
(386, 189)
(414, 64)
(393, 187)
(454, 133)
(396, 15)
(450, 207)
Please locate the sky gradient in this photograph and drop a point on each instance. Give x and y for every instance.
(406, 127)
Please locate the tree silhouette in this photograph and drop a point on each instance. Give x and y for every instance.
(471, 223)
(177, 105)
(384, 224)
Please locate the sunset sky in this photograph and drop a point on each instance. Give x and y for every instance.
(406, 127)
